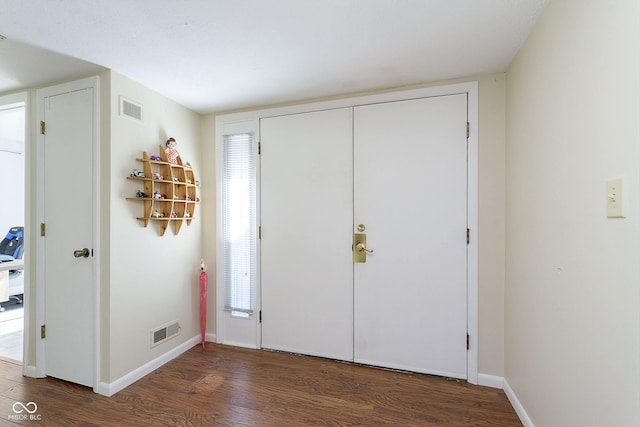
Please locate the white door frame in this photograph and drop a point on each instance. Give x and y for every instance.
(232, 330)
(471, 89)
(41, 94)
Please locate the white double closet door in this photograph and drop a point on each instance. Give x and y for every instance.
(400, 170)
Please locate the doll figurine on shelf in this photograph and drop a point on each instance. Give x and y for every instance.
(172, 153)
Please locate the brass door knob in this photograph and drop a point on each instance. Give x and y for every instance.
(361, 247)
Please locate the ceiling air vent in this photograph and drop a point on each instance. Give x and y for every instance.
(164, 333)
(130, 109)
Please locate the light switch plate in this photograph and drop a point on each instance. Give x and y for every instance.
(614, 198)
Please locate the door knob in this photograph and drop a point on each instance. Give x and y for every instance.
(361, 247)
(81, 253)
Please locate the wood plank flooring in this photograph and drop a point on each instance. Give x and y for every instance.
(229, 386)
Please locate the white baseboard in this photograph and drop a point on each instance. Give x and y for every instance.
(208, 337)
(109, 389)
(522, 414)
(491, 381)
(30, 371)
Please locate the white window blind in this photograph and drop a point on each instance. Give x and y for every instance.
(238, 199)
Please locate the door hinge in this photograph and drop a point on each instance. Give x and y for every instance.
(467, 130)
(468, 234)
(42, 229)
(259, 148)
(260, 316)
(43, 127)
(43, 331)
(260, 232)
(467, 341)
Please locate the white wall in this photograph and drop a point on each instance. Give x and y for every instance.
(573, 276)
(153, 279)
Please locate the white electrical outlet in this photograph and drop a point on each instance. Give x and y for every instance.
(614, 198)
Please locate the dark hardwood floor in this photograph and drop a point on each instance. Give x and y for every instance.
(228, 386)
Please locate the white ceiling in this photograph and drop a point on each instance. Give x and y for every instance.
(215, 55)
(23, 66)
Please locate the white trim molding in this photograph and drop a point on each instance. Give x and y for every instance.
(491, 381)
(472, 224)
(210, 337)
(29, 370)
(517, 406)
(109, 389)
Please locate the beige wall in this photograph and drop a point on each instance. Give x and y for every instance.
(153, 279)
(491, 212)
(208, 181)
(572, 275)
(491, 222)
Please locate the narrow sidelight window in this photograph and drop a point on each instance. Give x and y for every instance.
(239, 222)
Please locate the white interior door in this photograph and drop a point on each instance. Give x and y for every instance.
(400, 169)
(68, 215)
(306, 219)
(411, 195)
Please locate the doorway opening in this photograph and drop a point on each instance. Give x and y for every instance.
(12, 221)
